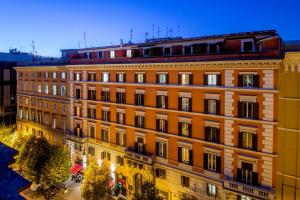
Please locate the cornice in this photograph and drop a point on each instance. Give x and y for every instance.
(291, 62)
(232, 64)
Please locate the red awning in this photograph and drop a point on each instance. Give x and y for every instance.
(75, 168)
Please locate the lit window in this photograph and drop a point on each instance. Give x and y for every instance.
(128, 53)
(211, 190)
(105, 77)
(212, 79)
(212, 106)
(54, 90)
(185, 153)
(121, 77)
(77, 76)
(46, 89)
(140, 77)
(162, 78)
(62, 90)
(63, 75)
(112, 54)
(212, 162)
(248, 80)
(185, 79)
(53, 74)
(39, 88)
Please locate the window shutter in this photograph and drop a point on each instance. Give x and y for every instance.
(206, 132)
(179, 79)
(190, 130)
(108, 116)
(142, 99)
(219, 80)
(117, 138)
(157, 78)
(157, 148)
(205, 79)
(136, 99)
(124, 77)
(218, 107)
(191, 157)
(179, 154)
(158, 104)
(218, 160)
(206, 106)
(179, 103)
(108, 156)
(179, 128)
(205, 161)
(240, 109)
(124, 140)
(190, 104)
(254, 142)
(165, 150)
(136, 120)
(136, 146)
(254, 178)
(256, 110)
(136, 78)
(157, 125)
(144, 78)
(191, 79)
(240, 81)
(256, 81)
(166, 99)
(218, 135)
(167, 78)
(239, 174)
(117, 78)
(166, 124)
(240, 139)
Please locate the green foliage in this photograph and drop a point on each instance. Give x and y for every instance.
(19, 139)
(96, 180)
(148, 192)
(56, 169)
(32, 158)
(6, 135)
(43, 163)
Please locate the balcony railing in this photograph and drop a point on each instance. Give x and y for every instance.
(144, 158)
(260, 192)
(75, 138)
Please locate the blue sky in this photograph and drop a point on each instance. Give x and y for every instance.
(58, 24)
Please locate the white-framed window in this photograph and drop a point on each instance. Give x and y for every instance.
(185, 153)
(212, 162)
(121, 77)
(77, 76)
(211, 190)
(247, 45)
(39, 88)
(46, 88)
(212, 79)
(140, 77)
(63, 75)
(162, 149)
(185, 79)
(212, 106)
(112, 54)
(54, 90)
(54, 123)
(53, 74)
(129, 53)
(162, 78)
(105, 77)
(121, 138)
(248, 80)
(63, 108)
(62, 90)
(247, 140)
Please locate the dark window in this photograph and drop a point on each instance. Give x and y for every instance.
(139, 99)
(212, 106)
(105, 135)
(185, 181)
(91, 77)
(212, 134)
(162, 125)
(212, 48)
(162, 101)
(105, 155)
(187, 50)
(105, 96)
(105, 115)
(167, 51)
(100, 54)
(248, 140)
(121, 118)
(212, 162)
(246, 175)
(121, 97)
(249, 110)
(200, 48)
(91, 151)
(92, 113)
(139, 121)
(77, 93)
(92, 95)
(160, 173)
(140, 146)
(248, 46)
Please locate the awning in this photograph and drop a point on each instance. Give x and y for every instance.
(75, 168)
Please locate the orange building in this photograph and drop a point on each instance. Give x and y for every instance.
(197, 116)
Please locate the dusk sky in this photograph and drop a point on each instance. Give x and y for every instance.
(60, 24)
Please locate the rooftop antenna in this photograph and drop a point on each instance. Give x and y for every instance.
(121, 42)
(178, 30)
(167, 32)
(33, 49)
(84, 37)
(130, 41)
(153, 27)
(158, 31)
(146, 35)
(171, 32)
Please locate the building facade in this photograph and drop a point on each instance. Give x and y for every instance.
(196, 116)
(288, 175)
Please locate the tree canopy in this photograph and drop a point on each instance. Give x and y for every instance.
(148, 192)
(96, 181)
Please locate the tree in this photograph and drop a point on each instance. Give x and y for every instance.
(148, 192)
(6, 134)
(57, 168)
(96, 181)
(32, 158)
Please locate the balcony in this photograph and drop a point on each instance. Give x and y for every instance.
(259, 192)
(146, 158)
(76, 138)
